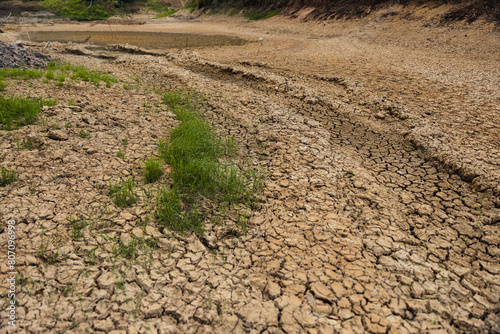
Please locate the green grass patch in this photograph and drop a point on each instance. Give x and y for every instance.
(78, 73)
(201, 167)
(152, 170)
(178, 213)
(260, 14)
(162, 8)
(17, 111)
(21, 73)
(78, 9)
(122, 193)
(6, 176)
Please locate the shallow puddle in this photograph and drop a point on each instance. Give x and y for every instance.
(148, 40)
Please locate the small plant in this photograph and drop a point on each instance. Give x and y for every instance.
(68, 289)
(7, 176)
(92, 256)
(120, 154)
(50, 75)
(125, 142)
(122, 193)
(71, 102)
(3, 85)
(129, 251)
(152, 170)
(77, 225)
(67, 125)
(85, 134)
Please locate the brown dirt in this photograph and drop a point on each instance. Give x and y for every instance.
(381, 213)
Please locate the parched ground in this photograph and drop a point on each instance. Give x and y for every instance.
(380, 213)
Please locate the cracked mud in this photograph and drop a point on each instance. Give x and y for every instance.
(380, 211)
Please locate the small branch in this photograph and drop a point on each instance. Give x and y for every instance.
(3, 21)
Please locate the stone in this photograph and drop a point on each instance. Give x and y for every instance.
(57, 135)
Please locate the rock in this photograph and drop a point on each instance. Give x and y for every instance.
(15, 55)
(57, 135)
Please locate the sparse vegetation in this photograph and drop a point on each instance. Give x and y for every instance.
(122, 193)
(85, 134)
(20, 111)
(7, 176)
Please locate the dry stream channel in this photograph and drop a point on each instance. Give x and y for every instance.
(361, 229)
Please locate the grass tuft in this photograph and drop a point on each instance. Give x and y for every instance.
(152, 170)
(6, 176)
(122, 193)
(20, 111)
(171, 213)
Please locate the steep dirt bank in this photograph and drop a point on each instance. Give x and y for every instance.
(381, 142)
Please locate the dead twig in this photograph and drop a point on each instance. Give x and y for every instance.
(3, 21)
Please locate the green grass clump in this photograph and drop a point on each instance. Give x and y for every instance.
(122, 193)
(20, 111)
(78, 73)
(259, 14)
(23, 73)
(77, 225)
(85, 134)
(200, 167)
(6, 176)
(172, 214)
(77, 9)
(152, 170)
(161, 7)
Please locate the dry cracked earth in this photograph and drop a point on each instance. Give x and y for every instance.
(380, 211)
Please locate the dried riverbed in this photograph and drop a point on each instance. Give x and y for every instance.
(380, 211)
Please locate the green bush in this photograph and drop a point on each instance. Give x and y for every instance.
(77, 9)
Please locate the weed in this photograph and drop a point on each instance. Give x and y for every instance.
(122, 193)
(67, 125)
(84, 134)
(50, 75)
(77, 225)
(77, 9)
(17, 111)
(152, 170)
(125, 142)
(32, 188)
(68, 289)
(259, 14)
(128, 251)
(43, 246)
(3, 85)
(6, 176)
(169, 212)
(120, 154)
(71, 102)
(200, 166)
